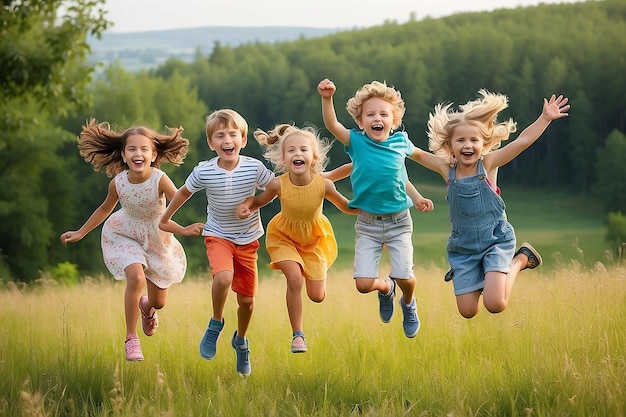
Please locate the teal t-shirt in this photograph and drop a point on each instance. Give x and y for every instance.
(379, 174)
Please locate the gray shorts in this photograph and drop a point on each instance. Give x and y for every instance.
(375, 231)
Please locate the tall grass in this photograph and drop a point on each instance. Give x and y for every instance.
(559, 349)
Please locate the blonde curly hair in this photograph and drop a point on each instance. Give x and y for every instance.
(481, 112)
(102, 147)
(274, 139)
(380, 90)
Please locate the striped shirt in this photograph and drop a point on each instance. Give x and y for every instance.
(224, 191)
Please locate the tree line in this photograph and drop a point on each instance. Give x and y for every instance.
(49, 90)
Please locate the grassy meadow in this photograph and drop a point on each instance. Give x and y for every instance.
(558, 349)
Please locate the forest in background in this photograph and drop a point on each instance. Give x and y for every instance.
(578, 50)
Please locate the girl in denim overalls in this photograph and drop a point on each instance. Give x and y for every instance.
(481, 246)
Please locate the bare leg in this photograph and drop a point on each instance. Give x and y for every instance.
(468, 304)
(498, 285)
(244, 313)
(219, 291)
(316, 290)
(135, 282)
(295, 281)
(365, 285)
(157, 297)
(408, 288)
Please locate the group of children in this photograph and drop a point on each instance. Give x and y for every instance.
(138, 240)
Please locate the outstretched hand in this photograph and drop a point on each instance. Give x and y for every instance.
(70, 237)
(193, 229)
(326, 88)
(556, 108)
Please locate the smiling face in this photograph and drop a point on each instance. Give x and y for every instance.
(298, 153)
(377, 119)
(227, 142)
(467, 143)
(139, 153)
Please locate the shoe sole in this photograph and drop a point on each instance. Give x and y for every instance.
(534, 252)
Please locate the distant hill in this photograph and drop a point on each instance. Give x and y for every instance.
(149, 49)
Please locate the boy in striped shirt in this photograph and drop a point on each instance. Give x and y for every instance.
(231, 243)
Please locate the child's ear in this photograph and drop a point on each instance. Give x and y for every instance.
(244, 141)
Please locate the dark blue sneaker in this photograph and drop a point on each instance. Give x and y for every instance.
(240, 344)
(208, 344)
(411, 323)
(386, 303)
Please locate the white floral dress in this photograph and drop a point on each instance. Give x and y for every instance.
(132, 235)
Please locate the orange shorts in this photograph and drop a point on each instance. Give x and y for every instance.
(241, 260)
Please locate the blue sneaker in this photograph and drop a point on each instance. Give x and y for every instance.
(240, 344)
(386, 303)
(411, 323)
(208, 344)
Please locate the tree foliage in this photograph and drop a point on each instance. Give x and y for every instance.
(611, 172)
(43, 52)
(48, 91)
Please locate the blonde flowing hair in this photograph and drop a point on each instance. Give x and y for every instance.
(482, 113)
(274, 139)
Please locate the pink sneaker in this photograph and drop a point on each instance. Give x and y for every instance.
(149, 320)
(133, 350)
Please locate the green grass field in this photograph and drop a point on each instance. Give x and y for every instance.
(558, 350)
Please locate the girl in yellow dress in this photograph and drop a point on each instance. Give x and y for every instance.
(299, 239)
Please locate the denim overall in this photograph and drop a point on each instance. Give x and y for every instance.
(482, 239)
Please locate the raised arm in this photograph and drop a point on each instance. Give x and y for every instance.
(338, 199)
(431, 161)
(98, 216)
(554, 109)
(327, 88)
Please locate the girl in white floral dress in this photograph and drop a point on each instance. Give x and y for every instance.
(133, 246)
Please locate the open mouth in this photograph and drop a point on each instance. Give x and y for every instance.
(377, 128)
(228, 150)
(298, 163)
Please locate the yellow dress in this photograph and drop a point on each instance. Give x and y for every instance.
(301, 232)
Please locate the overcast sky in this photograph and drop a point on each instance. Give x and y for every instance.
(148, 15)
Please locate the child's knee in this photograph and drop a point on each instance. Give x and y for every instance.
(495, 306)
(364, 285)
(246, 302)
